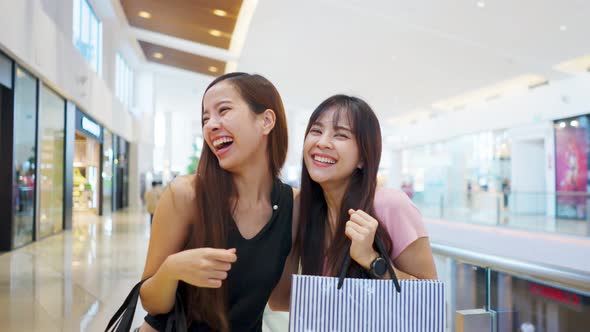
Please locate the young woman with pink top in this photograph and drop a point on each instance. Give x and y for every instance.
(341, 206)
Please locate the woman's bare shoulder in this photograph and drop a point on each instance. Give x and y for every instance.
(182, 192)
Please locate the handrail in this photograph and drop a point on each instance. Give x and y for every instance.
(575, 281)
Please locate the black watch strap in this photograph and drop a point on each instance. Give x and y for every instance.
(378, 267)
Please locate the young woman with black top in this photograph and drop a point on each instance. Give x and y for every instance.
(221, 236)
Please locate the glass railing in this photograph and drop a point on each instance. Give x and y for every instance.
(559, 212)
(488, 293)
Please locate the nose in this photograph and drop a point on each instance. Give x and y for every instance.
(212, 124)
(324, 142)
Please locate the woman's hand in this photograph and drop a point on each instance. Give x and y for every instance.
(201, 267)
(361, 229)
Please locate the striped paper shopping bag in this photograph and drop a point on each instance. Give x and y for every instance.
(317, 305)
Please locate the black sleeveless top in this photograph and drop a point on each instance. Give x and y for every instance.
(258, 269)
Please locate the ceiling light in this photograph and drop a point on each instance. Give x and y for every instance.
(213, 69)
(215, 33)
(481, 4)
(574, 123)
(158, 55)
(220, 12)
(563, 28)
(144, 14)
(562, 124)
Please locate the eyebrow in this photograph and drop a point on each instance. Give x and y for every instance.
(321, 125)
(343, 128)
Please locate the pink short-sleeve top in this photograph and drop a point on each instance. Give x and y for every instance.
(400, 217)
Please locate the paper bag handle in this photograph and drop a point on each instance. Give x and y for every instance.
(382, 251)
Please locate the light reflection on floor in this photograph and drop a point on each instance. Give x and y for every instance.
(75, 280)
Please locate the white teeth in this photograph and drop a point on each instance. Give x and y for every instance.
(324, 160)
(222, 140)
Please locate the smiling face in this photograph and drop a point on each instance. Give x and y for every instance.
(233, 132)
(330, 151)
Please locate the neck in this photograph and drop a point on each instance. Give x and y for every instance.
(334, 194)
(253, 182)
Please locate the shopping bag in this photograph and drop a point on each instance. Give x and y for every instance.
(123, 318)
(342, 304)
(317, 305)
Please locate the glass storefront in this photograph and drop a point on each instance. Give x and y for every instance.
(25, 147)
(121, 174)
(34, 121)
(51, 162)
(107, 172)
(7, 189)
(86, 184)
(86, 178)
(464, 174)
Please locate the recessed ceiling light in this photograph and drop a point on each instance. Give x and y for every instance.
(563, 28)
(158, 55)
(144, 14)
(574, 123)
(213, 69)
(215, 33)
(481, 4)
(220, 12)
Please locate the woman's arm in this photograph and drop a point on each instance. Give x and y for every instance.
(417, 260)
(412, 255)
(166, 264)
(169, 234)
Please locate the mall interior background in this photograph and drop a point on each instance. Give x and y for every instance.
(485, 110)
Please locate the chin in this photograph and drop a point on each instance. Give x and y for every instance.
(319, 179)
(227, 164)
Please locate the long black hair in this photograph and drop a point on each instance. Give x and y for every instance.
(311, 247)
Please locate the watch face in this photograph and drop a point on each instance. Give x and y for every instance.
(379, 267)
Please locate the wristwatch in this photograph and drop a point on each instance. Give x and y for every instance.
(378, 267)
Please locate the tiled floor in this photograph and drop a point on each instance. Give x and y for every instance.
(73, 281)
(76, 280)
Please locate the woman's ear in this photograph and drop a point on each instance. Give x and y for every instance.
(269, 119)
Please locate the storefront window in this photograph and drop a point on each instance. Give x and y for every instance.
(51, 162)
(121, 175)
(107, 173)
(452, 173)
(25, 106)
(5, 71)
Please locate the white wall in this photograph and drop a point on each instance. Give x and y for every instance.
(45, 47)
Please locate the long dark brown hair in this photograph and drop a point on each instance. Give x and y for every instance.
(311, 247)
(215, 192)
